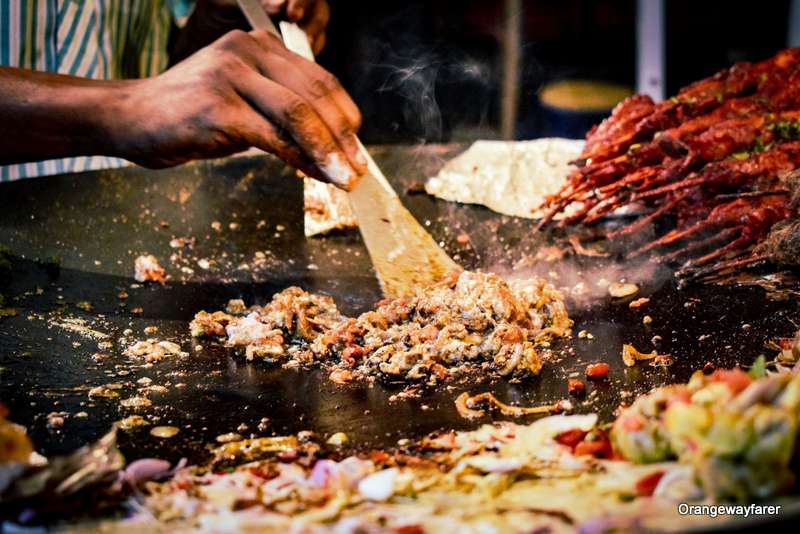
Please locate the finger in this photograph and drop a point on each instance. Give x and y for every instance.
(274, 7)
(319, 43)
(319, 87)
(297, 10)
(317, 20)
(321, 91)
(302, 123)
(259, 133)
(265, 52)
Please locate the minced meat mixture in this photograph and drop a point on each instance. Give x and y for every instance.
(468, 318)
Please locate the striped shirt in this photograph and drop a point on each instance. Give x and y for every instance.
(101, 39)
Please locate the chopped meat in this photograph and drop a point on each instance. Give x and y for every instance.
(147, 269)
(153, 350)
(209, 324)
(468, 318)
(236, 306)
(257, 337)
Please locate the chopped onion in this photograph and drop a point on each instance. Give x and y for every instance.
(619, 290)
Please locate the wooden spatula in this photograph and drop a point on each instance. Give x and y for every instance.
(405, 256)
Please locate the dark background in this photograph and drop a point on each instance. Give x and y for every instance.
(431, 71)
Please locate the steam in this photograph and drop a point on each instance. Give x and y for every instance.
(587, 282)
(416, 84)
(435, 87)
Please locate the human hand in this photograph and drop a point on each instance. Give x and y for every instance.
(244, 90)
(311, 15)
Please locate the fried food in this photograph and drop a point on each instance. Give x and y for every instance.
(469, 318)
(711, 166)
(719, 438)
(737, 433)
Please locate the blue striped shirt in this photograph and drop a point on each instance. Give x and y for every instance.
(101, 39)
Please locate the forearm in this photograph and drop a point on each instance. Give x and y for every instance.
(44, 115)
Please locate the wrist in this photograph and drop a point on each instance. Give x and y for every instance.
(116, 120)
(46, 115)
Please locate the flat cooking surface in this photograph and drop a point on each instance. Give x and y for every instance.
(99, 222)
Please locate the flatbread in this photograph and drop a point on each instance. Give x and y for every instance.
(512, 178)
(326, 208)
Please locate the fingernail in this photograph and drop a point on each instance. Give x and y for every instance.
(338, 171)
(360, 158)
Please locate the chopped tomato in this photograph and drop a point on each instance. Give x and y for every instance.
(680, 397)
(409, 529)
(182, 484)
(632, 423)
(646, 485)
(261, 472)
(379, 457)
(575, 387)
(571, 438)
(600, 448)
(735, 379)
(597, 371)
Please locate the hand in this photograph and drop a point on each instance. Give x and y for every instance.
(243, 90)
(311, 15)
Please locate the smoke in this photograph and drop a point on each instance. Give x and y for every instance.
(586, 282)
(421, 88)
(415, 84)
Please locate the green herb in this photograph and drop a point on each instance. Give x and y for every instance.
(786, 130)
(759, 368)
(761, 146)
(740, 155)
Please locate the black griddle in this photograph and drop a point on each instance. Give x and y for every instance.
(98, 222)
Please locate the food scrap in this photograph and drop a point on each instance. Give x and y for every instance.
(576, 387)
(622, 290)
(153, 350)
(718, 438)
(466, 406)
(147, 269)
(597, 371)
(630, 355)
